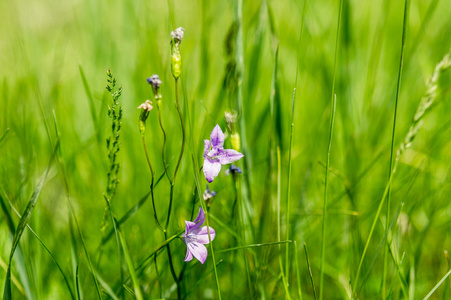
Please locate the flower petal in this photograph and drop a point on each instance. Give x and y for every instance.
(200, 219)
(217, 137)
(198, 250)
(228, 156)
(206, 147)
(201, 235)
(189, 255)
(189, 226)
(211, 169)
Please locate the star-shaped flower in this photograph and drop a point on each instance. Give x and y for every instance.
(217, 155)
(196, 237)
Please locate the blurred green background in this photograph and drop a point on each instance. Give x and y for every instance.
(47, 47)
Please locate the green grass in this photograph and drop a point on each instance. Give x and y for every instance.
(368, 236)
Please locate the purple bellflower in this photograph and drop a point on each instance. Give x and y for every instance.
(217, 155)
(196, 237)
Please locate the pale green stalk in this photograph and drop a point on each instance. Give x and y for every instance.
(287, 254)
(279, 175)
(298, 274)
(310, 271)
(323, 239)
(437, 285)
(392, 147)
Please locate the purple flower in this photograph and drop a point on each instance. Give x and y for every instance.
(233, 169)
(196, 237)
(208, 194)
(217, 155)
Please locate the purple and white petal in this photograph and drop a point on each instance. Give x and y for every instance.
(217, 137)
(211, 169)
(201, 235)
(189, 226)
(206, 147)
(189, 255)
(198, 250)
(228, 156)
(200, 219)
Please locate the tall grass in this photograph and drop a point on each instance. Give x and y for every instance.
(306, 90)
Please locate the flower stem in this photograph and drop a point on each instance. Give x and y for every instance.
(172, 181)
(164, 146)
(152, 185)
(171, 265)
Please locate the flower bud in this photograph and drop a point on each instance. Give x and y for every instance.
(236, 142)
(146, 108)
(176, 58)
(176, 64)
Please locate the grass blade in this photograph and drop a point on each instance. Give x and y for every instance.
(310, 271)
(323, 240)
(23, 222)
(437, 285)
(392, 147)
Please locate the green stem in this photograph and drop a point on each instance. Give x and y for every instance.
(323, 240)
(164, 146)
(287, 254)
(392, 147)
(321, 281)
(310, 271)
(152, 186)
(171, 265)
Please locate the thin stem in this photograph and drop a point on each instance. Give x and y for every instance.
(152, 186)
(298, 274)
(171, 265)
(392, 147)
(321, 281)
(183, 129)
(323, 241)
(287, 254)
(309, 270)
(164, 147)
(171, 195)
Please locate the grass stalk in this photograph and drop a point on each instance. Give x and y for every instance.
(310, 271)
(279, 223)
(392, 147)
(287, 253)
(323, 240)
(333, 99)
(437, 285)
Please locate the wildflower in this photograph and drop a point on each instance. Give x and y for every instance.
(176, 58)
(196, 237)
(217, 156)
(208, 195)
(233, 169)
(177, 36)
(155, 82)
(146, 108)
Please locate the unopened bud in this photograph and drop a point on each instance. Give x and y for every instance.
(146, 108)
(236, 142)
(155, 82)
(176, 58)
(176, 64)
